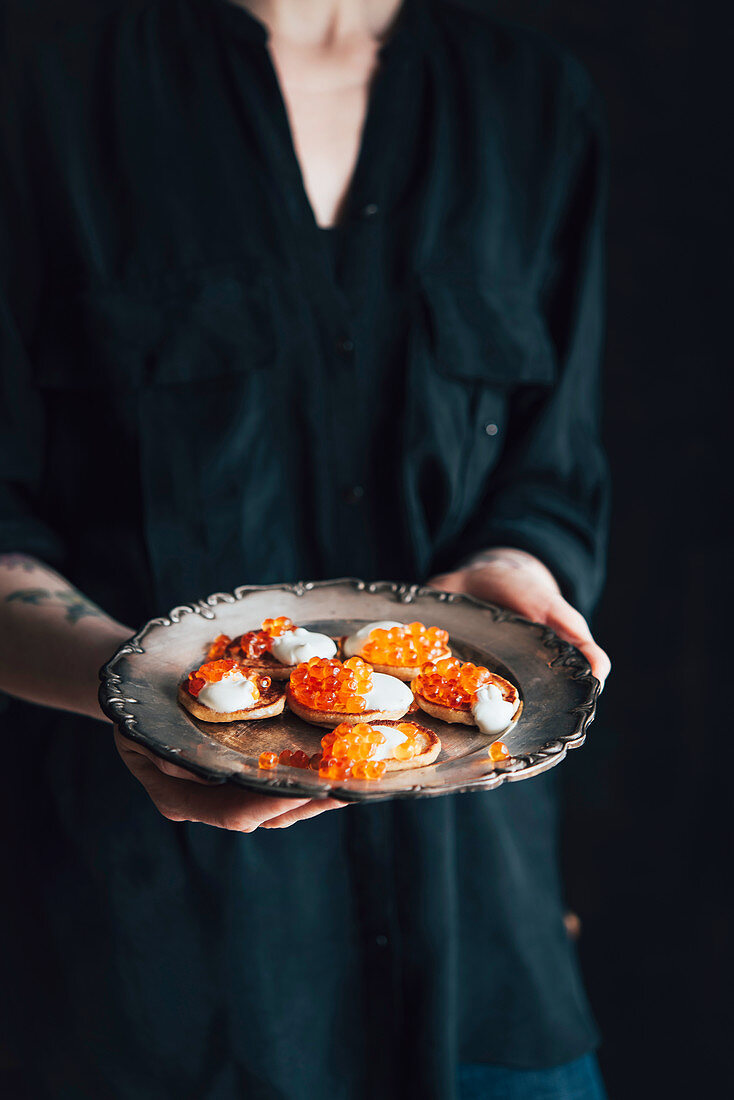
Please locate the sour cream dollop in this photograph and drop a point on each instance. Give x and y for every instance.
(388, 693)
(353, 644)
(393, 737)
(492, 713)
(299, 645)
(233, 692)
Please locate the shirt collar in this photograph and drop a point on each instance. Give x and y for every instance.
(240, 20)
(247, 26)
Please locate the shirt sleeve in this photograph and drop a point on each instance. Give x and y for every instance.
(22, 442)
(549, 494)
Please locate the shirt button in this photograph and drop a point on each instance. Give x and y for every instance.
(353, 494)
(370, 210)
(345, 347)
(491, 429)
(381, 940)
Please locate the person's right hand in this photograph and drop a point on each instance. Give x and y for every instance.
(181, 796)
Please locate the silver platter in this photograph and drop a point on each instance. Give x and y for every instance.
(139, 683)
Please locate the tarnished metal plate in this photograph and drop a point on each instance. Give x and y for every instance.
(139, 683)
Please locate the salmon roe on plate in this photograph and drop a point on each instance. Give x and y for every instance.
(325, 683)
(451, 683)
(297, 759)
(213, 671)
(405, 646)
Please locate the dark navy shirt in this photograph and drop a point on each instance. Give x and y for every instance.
(201, 388)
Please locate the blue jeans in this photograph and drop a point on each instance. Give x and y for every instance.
(579, 1080)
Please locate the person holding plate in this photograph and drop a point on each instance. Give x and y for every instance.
(288, 291)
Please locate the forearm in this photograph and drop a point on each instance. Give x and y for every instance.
(52, 638)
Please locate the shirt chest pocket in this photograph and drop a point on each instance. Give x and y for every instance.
(194, 327)
(172, 389)
(484, 335)
(476, 349)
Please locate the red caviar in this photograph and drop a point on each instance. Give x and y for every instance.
(328, 684)
(213, 671)
(405, 646)
(297, 759)
(218, 648)
(251, 645)
(276, 627)
(349, 750)
(498, 751)
(451, 683)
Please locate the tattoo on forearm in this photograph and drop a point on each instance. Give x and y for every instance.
(510, 558)
(76, 605)
(515, 559)
(18, 561)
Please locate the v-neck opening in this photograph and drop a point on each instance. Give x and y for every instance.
(369, 122)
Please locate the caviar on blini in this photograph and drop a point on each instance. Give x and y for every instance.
(348, 751)
(405, 646)
(327, 684)
(451, 683)
(218, 648)
(275, 628)
(213, 671)
(251, 645)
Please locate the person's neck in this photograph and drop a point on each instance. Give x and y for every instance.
(324, 22)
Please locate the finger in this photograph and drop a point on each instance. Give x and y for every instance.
(600, 663)
(570, 625)
(223, 806)
(125, 746)
(447, 582)
(176, 772)
(312, 809)
(226, 807)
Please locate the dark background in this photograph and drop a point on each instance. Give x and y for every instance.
(647, 844)
(648, 821)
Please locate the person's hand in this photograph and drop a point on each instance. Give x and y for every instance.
(181, 796)
(516, 580)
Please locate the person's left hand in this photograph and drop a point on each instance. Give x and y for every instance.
(516, 580)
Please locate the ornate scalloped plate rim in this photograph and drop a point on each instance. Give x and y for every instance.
(114, 702)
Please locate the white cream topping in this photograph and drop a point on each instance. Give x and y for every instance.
(388, 693)
(393, 737)
(492, 713)
(233, 692)
(299, 645)
(353, 644)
